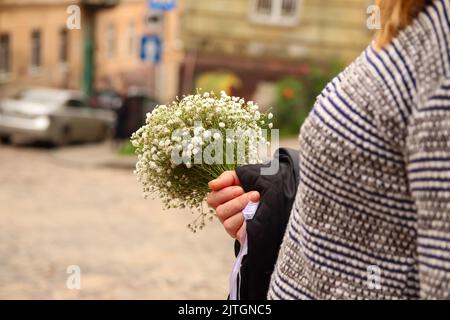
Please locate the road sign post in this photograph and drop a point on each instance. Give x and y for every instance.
(151, 49)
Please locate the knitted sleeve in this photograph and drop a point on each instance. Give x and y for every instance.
(428, 164)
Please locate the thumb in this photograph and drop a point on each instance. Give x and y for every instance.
(254, 196)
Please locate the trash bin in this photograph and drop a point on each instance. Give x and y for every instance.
(131, 116)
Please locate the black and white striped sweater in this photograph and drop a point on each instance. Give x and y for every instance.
(372, 213)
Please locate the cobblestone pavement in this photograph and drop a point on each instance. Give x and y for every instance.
(54, 214)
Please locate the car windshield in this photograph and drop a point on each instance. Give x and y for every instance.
(45, 97)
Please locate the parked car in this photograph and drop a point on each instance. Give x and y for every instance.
(107, 99)
(54, 115)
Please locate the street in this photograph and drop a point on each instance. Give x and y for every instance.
(54, 214)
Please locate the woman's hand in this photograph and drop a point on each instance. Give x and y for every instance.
(228, 199)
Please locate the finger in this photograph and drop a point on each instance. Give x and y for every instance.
(232, 207)
(226, 179)
(233, 224)
(216, 198)
(254, 196)
(240, 235)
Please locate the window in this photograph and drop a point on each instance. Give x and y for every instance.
(35, 49)
(110, 41)
(264, 7)
(289, 8)
(5, 56)
(63, 46)
(131, 39)
(276, 12)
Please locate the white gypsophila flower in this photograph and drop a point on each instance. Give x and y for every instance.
(196, 141)
(198, 131)
(185, 127)
(206, 134)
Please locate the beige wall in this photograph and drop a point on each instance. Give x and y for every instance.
(326, 28)
(19, 21)
(172, 56)
(124, 68)
(109, 69)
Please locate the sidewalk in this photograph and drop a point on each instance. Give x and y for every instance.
(94, 155)
(54, 216)
(106, 155)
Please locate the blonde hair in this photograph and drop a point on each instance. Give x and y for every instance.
(395, 16)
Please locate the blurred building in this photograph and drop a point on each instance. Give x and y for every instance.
(259, 41)
(118, 33)
(37, 48)
(241, 45)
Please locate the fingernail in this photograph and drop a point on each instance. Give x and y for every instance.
(254, 196)
(211, 182)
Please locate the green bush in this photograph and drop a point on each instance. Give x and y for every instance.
(290, 102)
(296, 96)
(127, 149)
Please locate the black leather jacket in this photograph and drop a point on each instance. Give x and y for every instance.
(265, 231)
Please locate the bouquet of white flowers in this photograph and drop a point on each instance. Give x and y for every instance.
(191, 141)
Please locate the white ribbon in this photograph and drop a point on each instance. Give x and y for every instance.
(249, 211)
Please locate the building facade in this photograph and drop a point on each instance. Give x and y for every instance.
(36, 48)
(119, 65)
(39, 48)
(261, 40)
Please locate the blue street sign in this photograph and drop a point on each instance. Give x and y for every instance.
(151, 49)
(162, 5)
